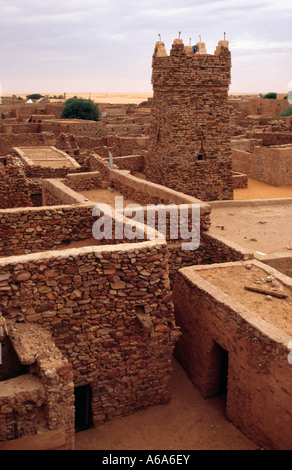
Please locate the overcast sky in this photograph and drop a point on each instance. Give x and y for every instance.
(106, 46)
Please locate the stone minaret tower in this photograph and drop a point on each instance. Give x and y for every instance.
(189, 148)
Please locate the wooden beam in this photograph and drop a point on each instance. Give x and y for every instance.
(264, 291)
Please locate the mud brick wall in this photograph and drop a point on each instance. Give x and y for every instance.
(189, 148)
(259, 381)
(110, 312)
(271, 165)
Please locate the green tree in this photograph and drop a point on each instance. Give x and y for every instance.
(287, 112)
(271, 96)
(34, 96)
(80, 108)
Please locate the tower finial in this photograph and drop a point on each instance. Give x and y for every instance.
(200, 38)
(179, 33)
(224, 36)
(190, 41)
(159, 35)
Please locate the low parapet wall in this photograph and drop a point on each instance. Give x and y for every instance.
(55, 192)
(239, 180)
(14, 188)
(84, 181)
(31, 230)
(133, 163)
(145, 192)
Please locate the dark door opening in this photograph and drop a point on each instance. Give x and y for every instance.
(83, 414)
(223, 370)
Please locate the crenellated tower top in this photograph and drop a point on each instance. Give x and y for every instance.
(179, 48)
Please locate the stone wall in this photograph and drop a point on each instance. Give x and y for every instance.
(110, 312)
(212, 249)
(84, 181)
(14, 188)
(133, 163)
(42, 399)
(189, 148)
(56, 226)
(145, 192)
(8, 141)
(37, 229)
(98, 163)
(37, 171)
(240, 180)
(76, 127)
(58, 192)
(270, 138)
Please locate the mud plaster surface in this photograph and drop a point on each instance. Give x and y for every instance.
(233, 279)
(264, 228)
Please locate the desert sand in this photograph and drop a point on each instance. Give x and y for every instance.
(258, 190)
(187, 422)
(112, 98)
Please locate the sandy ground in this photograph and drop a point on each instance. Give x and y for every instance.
(264, 228)
(187, 422)
(258, 190)
(115, 98)
(112, 98)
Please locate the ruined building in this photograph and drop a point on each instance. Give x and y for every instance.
(189, 148)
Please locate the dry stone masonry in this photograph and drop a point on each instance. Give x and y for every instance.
(111, 314)
(189, 148)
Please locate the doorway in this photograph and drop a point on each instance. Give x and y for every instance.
(83, 413)
(220, 370)
(223, 371)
